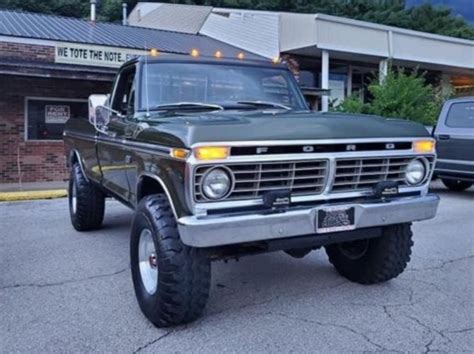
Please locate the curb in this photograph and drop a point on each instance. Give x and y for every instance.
(32, 195)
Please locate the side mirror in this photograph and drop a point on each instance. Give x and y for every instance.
(95, 115)
(102, 117)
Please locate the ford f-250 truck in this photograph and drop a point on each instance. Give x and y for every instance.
(221, 158)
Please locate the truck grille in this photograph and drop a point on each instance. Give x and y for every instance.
(364, 173)
(254, 179)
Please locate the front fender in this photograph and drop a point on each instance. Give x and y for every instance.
(170, 175)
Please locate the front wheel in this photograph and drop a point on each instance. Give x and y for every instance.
(171, 280)
(455, 185)
(374, 260)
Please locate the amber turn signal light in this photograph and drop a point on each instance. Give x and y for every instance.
(179, 153)
(424, 146)
(211, 152)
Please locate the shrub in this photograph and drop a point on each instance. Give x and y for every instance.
(399, 95)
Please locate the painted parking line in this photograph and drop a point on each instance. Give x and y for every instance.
(32, 195)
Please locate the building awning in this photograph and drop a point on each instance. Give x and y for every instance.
(54, 70)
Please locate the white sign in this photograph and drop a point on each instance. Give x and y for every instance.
(79, 54)
(56, 114)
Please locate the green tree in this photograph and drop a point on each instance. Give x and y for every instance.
(70, 8)
(400, 95)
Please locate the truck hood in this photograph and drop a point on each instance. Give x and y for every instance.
(185, 131)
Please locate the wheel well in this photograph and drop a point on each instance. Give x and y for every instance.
(147, 186)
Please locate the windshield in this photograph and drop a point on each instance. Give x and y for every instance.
(225, 85)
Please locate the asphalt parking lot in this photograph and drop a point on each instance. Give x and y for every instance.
(63, 291)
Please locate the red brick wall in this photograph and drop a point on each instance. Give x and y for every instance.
(38, 161)
(27, 52)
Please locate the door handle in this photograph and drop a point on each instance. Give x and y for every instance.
(128, 159)
(444, 137)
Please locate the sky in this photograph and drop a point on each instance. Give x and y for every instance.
(464, 8)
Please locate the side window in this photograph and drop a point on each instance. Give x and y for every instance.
(124, 93)
(461, 115)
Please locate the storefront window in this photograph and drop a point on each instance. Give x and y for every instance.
(45, 117)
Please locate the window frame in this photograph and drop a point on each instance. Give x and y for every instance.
(446, 121)
(291, 80)
(125, 70)
(40, 98)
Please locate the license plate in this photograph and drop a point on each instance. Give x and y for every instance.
(334, 219)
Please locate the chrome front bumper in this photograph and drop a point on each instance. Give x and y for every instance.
(210, 231)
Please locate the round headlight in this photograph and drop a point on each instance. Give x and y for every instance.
(416, 172)
(216, 184)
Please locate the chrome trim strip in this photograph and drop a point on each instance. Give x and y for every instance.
(456, 171)
(163, 185)
(310, 142)
(199, 231)
(302, 156)
(127, 144)
(80, 136)
(146, 147)
(460, 162)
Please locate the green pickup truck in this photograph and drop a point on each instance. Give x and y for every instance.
(221, 158)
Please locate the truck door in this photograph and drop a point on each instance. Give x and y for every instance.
(114, 156)
(454, 134)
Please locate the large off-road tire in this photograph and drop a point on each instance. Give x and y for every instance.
(171, 280)
(374, 260)
(86, 202)
(456, 185)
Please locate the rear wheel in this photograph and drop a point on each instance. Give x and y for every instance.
(171, 280)
(456, 185)
(374, 260)
(86, 202)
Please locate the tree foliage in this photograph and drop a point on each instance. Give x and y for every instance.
(427, 18)
(400, 95)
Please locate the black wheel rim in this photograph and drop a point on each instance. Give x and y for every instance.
(355, 249)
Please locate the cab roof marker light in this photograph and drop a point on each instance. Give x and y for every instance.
(194, 53)
(424, 146)
(218, 54)
(241, 56)
(211, 152)
(179, 153)
(154, 52)
(276, 60)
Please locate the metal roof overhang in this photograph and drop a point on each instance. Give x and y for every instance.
(348, 39)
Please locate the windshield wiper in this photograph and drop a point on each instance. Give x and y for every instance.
(265, 104)
(181, 106)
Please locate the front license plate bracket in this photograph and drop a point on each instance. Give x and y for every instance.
(333, 219)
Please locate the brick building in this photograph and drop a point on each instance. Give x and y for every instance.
(49, 65)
